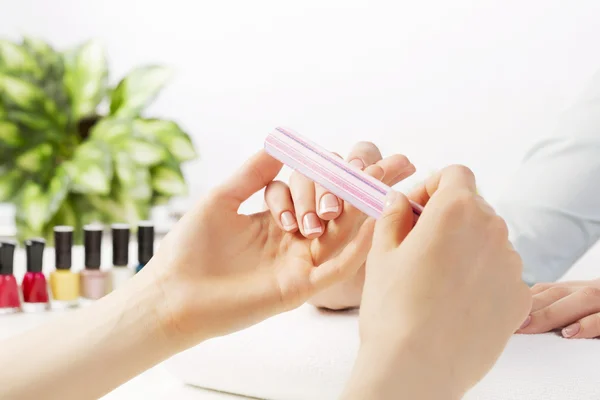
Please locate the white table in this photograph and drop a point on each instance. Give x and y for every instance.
(158, 383)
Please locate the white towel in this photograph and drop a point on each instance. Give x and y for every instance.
(308, 354)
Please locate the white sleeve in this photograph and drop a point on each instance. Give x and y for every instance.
(552, 205)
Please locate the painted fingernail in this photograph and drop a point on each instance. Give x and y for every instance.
(526, 322)
(288, 221)
(312, 224)
(571, 330)
(329, 204)
(357, 162)
(391, 198)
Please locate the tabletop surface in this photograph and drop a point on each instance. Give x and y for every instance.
(158, 383)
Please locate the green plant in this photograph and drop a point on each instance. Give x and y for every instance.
(62, 160)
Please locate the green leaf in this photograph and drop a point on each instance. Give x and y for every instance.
(177, 142)
(16, 58)
(30, 120)
(125, 168)
(21, 93)
(111, 129)
(43, 53)
(10, 183)
(145, 152)
(32, 206)
(51, 70)
(86, 78)
(168, 181)
(9, 134)
(58, 189)
(137, 90)
(35, 159)
(91, 168)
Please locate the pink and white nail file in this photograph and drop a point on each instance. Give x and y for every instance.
(339, 177)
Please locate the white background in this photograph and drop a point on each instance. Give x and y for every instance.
(472, 82)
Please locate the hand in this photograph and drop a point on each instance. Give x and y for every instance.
(442, 298)
(309, 208)
(220, 271)
(573, 307)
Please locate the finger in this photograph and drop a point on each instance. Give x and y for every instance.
(303, 196)
(586, 328)
(329, 206)
(364, 154)
(346, 263)
(396, 168)
(394, 224)
(279, 202)
(547, 297)
(540, 287)
(565, 311)
(455, 176)
(255, 174)
(351, 212)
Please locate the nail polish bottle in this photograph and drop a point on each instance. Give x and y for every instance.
(120, 272)
(34, 286)
(95, 283)
(64, 284)
(10, 301)
(145, 237)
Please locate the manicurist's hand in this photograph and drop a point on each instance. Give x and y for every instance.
(308, 208)
(220, 271)
(217, 271)
(573, 307)
(441, 297)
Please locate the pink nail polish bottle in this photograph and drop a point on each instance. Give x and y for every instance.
(95, 283)
(34, 286)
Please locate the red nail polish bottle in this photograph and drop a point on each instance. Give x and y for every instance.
(10, 301)
(35, 287)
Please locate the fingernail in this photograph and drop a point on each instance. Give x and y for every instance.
(391, 198)
(329, 204)
(312, 224)
(357, 162)
(571, 330)
(288, 221)
(526, 322)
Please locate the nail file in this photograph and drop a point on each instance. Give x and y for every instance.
(339, 177)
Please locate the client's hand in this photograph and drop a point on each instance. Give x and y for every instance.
(311, 209)
(442, 298)
(220, 271)
(573, 307)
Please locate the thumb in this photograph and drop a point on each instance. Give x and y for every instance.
(255, 174)
(395, 222)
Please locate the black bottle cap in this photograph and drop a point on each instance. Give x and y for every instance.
(34, 249)
(7, 252)
(63, 242)
(92, 246)
(145, 236)
(120, 244)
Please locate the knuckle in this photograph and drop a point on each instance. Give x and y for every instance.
(461, 170)
(499, 228)
(558, 291)
(590, 293)
(368, 149)
(516, 262)
(460, 203)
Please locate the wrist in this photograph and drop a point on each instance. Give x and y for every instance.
(406, 369)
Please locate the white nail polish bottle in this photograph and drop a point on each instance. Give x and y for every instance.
(121, 272)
